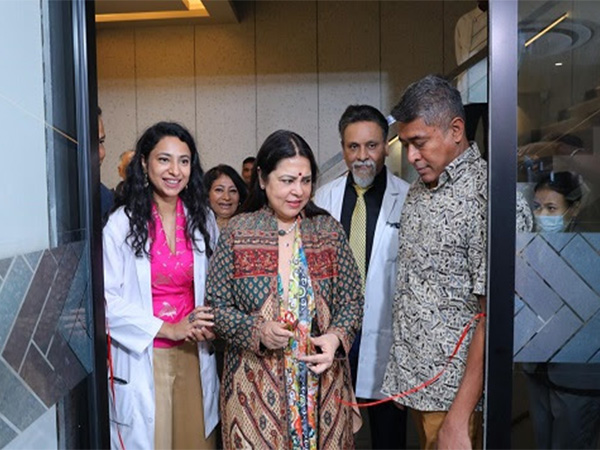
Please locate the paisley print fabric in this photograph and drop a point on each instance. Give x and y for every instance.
(441, 269)
(242, 286)
(300, 383)
(524, 215)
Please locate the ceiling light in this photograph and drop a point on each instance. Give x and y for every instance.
(545, 30)
(133, 17)
(193, 5)
(558, 64)
(193, 9)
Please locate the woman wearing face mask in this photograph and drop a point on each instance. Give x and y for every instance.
(556, 202)
(564, 397)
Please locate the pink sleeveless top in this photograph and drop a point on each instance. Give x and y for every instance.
(172, 274)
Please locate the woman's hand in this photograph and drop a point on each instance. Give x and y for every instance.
(175, 331)
(274, 335)
(320, 362)
(196, 327)
(201, 319)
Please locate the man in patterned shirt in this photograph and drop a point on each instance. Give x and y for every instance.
(441, 281)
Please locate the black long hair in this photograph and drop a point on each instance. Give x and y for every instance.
(565, 183)
(138, 191)
(280, 145)
(223, 169)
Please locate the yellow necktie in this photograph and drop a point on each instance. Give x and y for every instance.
(358, 232)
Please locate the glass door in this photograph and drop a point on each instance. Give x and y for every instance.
(556, 349)
(52, 346)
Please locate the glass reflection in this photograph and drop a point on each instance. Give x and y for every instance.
(557, 298)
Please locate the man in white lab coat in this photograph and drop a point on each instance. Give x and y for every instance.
(368, 201)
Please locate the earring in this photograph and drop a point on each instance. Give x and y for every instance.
(146, 182)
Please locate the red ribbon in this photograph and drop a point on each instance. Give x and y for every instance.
(424, 384)
(289, 320)
(112, 381)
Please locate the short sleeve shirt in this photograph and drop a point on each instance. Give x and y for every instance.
(441, 269)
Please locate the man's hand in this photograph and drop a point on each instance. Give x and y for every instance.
(454, 432)
(453, 436)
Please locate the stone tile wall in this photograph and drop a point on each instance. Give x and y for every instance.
(557, 304)
(45, 336)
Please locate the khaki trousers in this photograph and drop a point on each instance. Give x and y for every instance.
(179, 417)
(428, 425)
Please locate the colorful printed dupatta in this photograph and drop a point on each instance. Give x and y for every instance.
(302, 385)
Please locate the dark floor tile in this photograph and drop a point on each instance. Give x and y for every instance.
(67, 367)
(83, 346)
(54, 305)
(12, 294)
(7, 434)
(78, 247)
(22, 332)
(33, 258)
(78, 294)
(17, 403)
(4, 266)
(40, 377)
(58, 252)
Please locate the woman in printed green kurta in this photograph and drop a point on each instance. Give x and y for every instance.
(287, 301)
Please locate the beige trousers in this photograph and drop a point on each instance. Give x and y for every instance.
(428, 425)
(179, 417)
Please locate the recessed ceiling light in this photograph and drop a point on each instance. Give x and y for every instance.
(545, 30)
(193, 9)
(558, 64)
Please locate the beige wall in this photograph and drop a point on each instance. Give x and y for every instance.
(287, 64)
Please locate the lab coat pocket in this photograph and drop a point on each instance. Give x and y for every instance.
(122, 403)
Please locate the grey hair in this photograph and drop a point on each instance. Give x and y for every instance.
(432, 99)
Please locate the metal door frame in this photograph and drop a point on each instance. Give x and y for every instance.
(502, 104)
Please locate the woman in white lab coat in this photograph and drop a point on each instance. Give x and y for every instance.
(163, 382)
